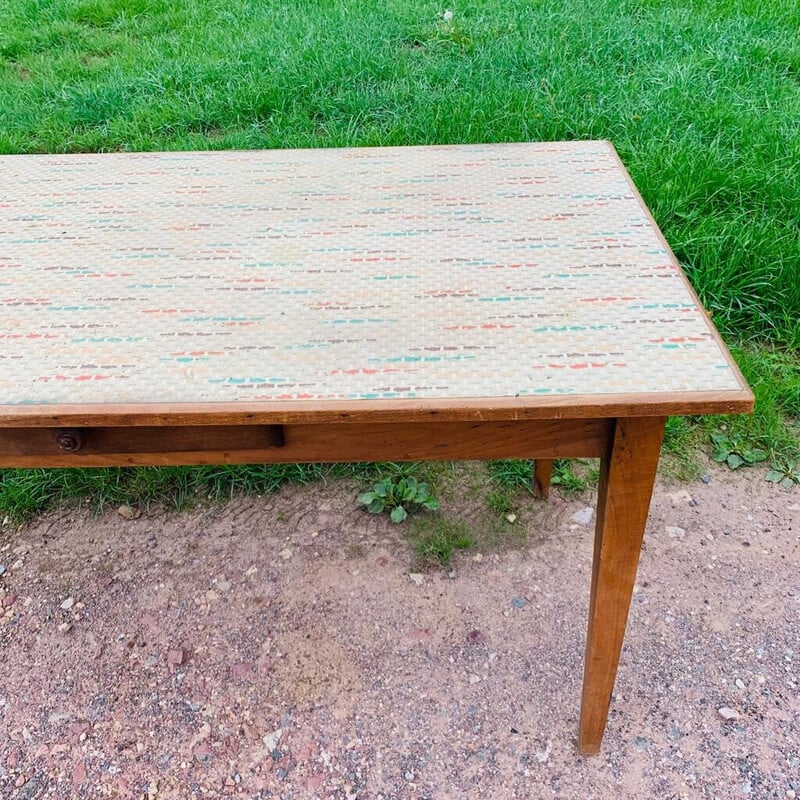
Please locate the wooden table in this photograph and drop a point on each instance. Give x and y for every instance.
(464, 302)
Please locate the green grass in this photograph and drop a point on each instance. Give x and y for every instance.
(436, 539)
(701, 99)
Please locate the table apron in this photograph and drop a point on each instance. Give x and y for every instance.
(256, 444)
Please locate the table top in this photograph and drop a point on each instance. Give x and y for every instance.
(504, 280)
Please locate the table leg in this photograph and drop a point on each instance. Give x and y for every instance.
(542, 473)
(626, 484)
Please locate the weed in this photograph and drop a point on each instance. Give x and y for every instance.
(574, 475)
(398, 495)
(500, 499)
(437, 539)
(734, 452)
(786, 473)
(512, 474)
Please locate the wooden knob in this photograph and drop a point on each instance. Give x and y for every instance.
(70, 440)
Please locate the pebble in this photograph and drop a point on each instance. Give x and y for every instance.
(705, 478)
(79, 774)
(511, 518)
(791, 793)
(584, 516)
(68, 603)
(65, 627)
(416, 577)
(679, 497)
(739, 683)
(271, 739)
(674, 532)
(30, 789)
(126, 512)
(224, 586)
(476, 637)
(176, 657)
(728, 713)
(518, 602)
(2, 569)
(473, 679)
(285, 554)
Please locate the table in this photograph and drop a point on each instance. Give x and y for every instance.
(445, 302)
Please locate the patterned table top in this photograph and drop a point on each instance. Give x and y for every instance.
(449, 272)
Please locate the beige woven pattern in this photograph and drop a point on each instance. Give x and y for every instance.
(426, 272)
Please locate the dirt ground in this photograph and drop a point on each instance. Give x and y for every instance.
(276, 647)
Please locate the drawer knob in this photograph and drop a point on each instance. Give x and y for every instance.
(70, 440)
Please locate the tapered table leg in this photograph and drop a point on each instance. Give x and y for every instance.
(626, 484)
(542, 473)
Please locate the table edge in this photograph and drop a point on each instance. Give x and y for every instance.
(474, 409)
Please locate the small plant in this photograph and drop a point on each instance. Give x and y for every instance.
(398, 494)
(786, 473)
(574, 476)
(734, 453)
(436, 540)
(500, 500)
(512, 473)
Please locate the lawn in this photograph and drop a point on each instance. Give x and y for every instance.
(701, 99)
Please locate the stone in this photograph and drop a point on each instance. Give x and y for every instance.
(544, 755)
(29, 789)
(674, 532)
(126, 512)
(271, 739)
(519, 602)
(584, 516)
(2, 569)
(476, 637)
(65, 627)
(728, 714)
(512, 518)
(68, 603)
(416, 578)
(286, 553)
(79, 774)
(175, 658)
(224, 586)
(677, 498)
(9, 600)
(739, 683)
(473, 679)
